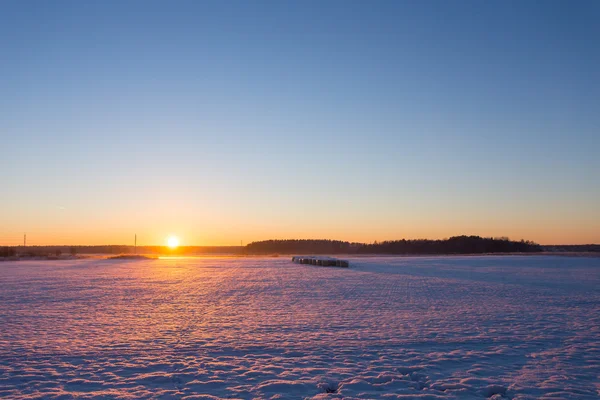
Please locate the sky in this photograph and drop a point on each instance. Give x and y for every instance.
(226, 121)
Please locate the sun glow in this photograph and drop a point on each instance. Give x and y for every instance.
(173, 242)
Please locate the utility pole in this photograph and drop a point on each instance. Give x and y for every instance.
(135, 244)
(24, 240)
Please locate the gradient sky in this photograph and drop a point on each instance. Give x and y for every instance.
(226, 121)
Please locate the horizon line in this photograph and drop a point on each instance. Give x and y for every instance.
(258, 241)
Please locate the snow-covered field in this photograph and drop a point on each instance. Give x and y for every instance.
(425, 327)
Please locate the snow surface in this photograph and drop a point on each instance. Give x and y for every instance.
(427, 328)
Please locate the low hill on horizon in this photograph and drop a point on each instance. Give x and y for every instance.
(453, 245)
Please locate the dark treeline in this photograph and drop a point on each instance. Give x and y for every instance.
(453, 245)
(116, 249)
(316, 246)
(574, 248)
(7, 251)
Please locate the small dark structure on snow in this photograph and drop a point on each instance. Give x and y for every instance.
(321, 261)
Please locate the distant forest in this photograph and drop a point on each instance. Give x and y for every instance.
(317, 246)
(577, 248)
(453, 245)
(117, 249)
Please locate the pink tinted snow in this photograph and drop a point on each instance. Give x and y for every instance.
(424, 327)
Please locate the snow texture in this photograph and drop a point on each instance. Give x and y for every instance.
(204, 328)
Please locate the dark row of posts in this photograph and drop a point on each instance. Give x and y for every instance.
(324, 262)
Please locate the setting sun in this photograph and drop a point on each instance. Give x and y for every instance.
(173, 242)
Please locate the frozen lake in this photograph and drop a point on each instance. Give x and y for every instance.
(424, 327)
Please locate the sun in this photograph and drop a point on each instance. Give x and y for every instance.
(173, 242)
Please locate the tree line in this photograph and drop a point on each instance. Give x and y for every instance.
(314, 246)
(41, 251)
(7, 251)
(453, 245)
(583, 248)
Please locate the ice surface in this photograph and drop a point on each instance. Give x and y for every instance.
(428, 328)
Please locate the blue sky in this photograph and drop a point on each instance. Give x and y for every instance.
(228, 121)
